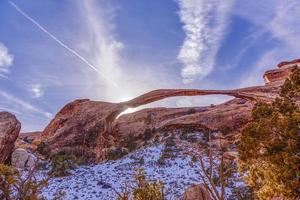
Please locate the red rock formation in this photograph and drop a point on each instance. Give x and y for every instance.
(9, 131)
(86, 127)
(29, 137)
(286, 64)
(230, 115)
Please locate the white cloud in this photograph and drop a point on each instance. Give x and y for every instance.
(6, 59)
(280, 21)
(285, 24)
(205, 24)
(36, 90)
(104, 50)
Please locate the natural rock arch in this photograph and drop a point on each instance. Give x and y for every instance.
(156, 95)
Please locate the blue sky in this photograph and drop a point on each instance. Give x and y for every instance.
(55, 51)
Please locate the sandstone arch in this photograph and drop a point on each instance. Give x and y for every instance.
(156, 95)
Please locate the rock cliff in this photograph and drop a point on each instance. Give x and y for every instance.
(88, 127)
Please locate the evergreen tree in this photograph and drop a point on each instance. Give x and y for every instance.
(269, 148)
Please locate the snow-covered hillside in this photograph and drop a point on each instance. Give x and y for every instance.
(103, 180)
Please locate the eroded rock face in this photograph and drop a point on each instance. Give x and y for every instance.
(9, 131)
(88, 127)
(79, 128)
(30, 137)
(21, 158)
(196, 192)
(231, 116)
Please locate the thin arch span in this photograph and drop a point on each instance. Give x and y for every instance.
(156, 95)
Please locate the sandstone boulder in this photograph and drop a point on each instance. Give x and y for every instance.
(21, 158)
(9, 131)
(196, 192)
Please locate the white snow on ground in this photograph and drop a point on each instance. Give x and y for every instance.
(97, 182)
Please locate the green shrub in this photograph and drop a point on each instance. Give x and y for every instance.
(166, 134)
(144, 189)
(156, 139)
(116, 153)
(141, 161)
(44, 149)
(161, 161)
(129, 142)
(241, 193)
(191, 111)
(62, 163)
(194, 158)
(225, 130)
(183, 136)
(170, 141)
(148, 134)
(147, 190)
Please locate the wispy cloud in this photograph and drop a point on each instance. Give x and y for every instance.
(23, 105)
(36, 90)
(6, 59)
(280, 21)
(104, 50)
(205, 24)
(61, 43)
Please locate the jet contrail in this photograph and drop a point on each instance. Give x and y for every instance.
(59, 41)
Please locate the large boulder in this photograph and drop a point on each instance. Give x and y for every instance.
(9, 131)
(78, 128)
(196, 192)
(21, 158)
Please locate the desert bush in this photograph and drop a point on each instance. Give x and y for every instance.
(225, 130)
(166, 134)
(148, 134)
(144, 189)
(62, 163)
(169, 151)
(170, 141)
(192, 138)
(116, 153)
(15, 186)
(141, 161)
(191, 111)
(147, 190)
(161, 161)
(183, 136)
(44, 149)
(194, 158)
(129, 142)
(241, 193)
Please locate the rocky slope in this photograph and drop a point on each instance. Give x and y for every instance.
(103, 181)
(9, 132)
(90, 128)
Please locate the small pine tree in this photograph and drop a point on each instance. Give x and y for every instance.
(62, 163)
(269, 148)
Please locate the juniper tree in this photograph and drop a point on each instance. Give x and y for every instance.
(269, 148)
